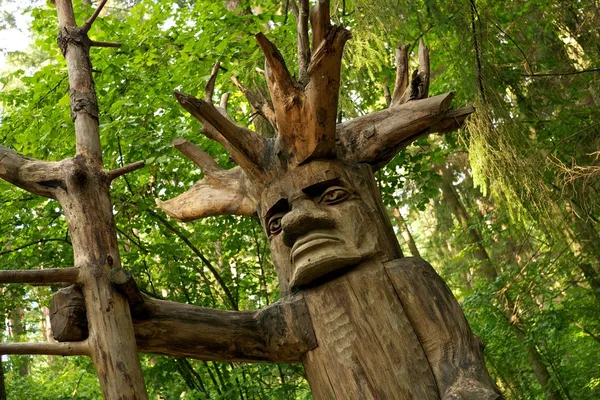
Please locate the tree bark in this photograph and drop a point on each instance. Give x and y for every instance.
(488, 271)
(88, 211)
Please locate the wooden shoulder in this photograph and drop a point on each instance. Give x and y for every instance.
(454, 352)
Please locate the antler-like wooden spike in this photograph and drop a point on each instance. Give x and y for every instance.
(281, 84)
(225, 192)
(246, 147)
(401, 82)
(221, 192)
(424, 69)
(303, 43)
(209, 90)
(202, 159)
(320, 20)
(259, 105)
(377, 137)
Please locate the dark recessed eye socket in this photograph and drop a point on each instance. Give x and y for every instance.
(274, 225)
(334, 195)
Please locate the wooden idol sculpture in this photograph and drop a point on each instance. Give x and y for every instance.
(365, 322)
(385, 327)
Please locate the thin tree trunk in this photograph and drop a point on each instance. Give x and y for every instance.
(585, 243)
(412, 246)
(2, 385)
(489, 272)
(17, 323)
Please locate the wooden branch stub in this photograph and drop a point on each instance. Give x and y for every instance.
(320, 21)
(281, 83)
(198, 156)
(246, 147)
(37, 177)
(116, 173)
(424, 69)
(224, 192)
(68, 316)
(95, 43)
(377, 137)
(123, 281)
(40, 276)
(453, 120)
(224, 101)
(302, 14)
(259, 103)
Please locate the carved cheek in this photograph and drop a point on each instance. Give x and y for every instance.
(281, 259)
(350, 215)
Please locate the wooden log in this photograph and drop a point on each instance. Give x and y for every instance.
(51, 349)
(67, 315)
(453, 351)
(41, 276)
(279, 333)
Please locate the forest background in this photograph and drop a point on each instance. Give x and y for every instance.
(507, 209)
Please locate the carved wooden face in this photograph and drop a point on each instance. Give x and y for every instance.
(318, 223)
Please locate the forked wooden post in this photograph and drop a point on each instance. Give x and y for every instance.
(81, 185)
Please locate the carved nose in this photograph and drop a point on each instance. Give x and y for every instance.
(303, 218)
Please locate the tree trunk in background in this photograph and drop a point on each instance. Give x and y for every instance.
(459, 211)
(584, 243)
(414, 251)
(489, 272)
(17, 329)
(2, 386)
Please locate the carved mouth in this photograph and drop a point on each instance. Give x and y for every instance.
(309, 241)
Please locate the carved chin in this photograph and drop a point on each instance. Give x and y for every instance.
(320, 257)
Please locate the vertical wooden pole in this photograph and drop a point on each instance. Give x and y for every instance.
(88, 210)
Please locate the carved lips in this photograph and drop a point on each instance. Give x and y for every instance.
(309, 242)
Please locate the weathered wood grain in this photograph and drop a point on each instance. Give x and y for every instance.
(279, 333)
(367, 346)
(453, 351)
(67, 315)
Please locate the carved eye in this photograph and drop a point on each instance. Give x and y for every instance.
(334, 195)
(275, 224)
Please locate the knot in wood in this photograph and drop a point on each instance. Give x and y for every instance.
(72, 36)
(86, 102)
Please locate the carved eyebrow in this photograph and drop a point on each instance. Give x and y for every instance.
(319, 187)
(281, 205)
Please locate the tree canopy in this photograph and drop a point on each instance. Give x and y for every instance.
(506, 209)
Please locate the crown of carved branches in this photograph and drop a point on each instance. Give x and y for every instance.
(303, 113)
